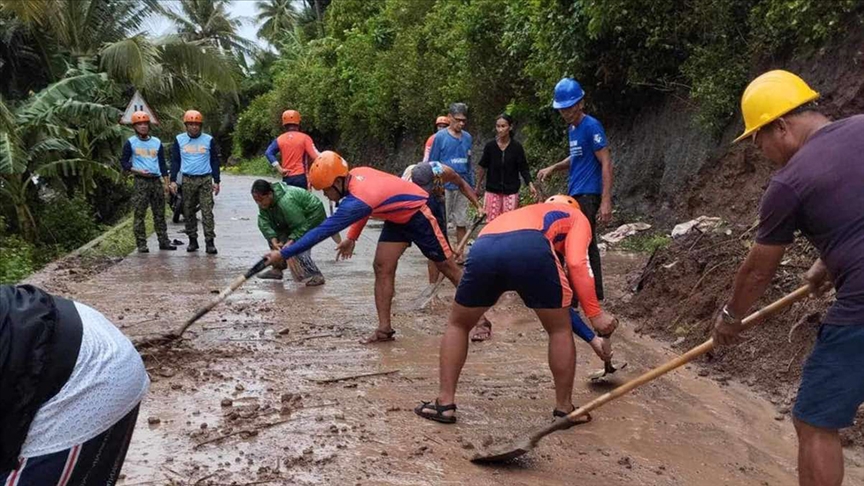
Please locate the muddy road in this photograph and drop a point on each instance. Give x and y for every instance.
(243, 400)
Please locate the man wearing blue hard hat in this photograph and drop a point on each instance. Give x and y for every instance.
(589, 165)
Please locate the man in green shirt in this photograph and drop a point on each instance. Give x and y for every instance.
(285, 213)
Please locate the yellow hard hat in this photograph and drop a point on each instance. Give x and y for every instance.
(771, 96)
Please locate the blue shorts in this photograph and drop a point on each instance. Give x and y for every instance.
(832, 381)
(423, 230)
(522, 261)
(296, 181)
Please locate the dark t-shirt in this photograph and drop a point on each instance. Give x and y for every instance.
(821, 192)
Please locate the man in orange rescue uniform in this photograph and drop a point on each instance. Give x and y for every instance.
(296, 150)
(441, 123)
(365, 193)
(523, 251)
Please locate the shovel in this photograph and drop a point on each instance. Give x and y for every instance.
(429, 292)
(177, 333)
(608, 368)
(516, 449)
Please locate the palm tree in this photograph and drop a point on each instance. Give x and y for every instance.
(276, 17)
(209, 21)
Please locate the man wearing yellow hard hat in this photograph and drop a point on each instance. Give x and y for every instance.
(819, 190)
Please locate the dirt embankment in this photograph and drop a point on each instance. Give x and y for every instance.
(687, 282)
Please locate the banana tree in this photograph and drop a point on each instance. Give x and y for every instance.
(55, 135)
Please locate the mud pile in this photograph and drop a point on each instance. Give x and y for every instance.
(683, 286)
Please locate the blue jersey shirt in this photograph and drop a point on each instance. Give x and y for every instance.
(586, 173)
(194, 156)
(144, 155)
(454, 153)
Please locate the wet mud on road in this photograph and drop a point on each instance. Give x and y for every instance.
(244, 398)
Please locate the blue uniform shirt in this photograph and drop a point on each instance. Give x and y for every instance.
(194, 156)
(455, 153)
(586, 173)
(145, 155)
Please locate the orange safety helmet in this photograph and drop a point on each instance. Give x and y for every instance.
(442, 120)
(140, 117)
(193, 116)
(290, 117)
(563, 199)
(326, 169)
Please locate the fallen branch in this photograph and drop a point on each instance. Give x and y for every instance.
(205, 477)
(364, 375)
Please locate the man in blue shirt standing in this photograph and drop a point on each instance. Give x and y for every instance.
(144, 157)
(196, 156)
(452, 147)
(589, 165)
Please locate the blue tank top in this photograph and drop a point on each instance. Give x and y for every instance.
(145, 154)
(194, 154)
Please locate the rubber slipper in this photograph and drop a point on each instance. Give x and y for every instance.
(482, 333)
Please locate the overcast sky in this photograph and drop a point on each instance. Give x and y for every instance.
(243, 9)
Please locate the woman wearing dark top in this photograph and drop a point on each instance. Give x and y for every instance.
(502, 163)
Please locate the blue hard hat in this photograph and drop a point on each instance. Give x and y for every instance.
(567, 93)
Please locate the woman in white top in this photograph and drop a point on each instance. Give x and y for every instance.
(70, 387)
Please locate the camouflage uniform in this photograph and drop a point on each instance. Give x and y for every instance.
(149, 192)
(198, 190)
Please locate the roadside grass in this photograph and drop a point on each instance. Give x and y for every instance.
(258, 166)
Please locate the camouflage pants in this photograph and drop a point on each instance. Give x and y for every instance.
(148, 192)
(198, 190)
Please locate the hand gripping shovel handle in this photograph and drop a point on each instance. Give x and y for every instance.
(685, 358)
(261, 265)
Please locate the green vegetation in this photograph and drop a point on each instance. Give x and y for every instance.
(645, 242)
(259, 166)
(67, 69)
(121, 242)
(385, 68)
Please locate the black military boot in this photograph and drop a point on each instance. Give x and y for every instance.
(210, 247)
(193, 244)
(167, 246)
(143, 249)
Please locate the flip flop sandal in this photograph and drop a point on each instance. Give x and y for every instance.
(485, 330)
(387, 336)
(439, 412)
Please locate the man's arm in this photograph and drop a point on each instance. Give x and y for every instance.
(578, 267)
(163, 167)
(350, 211)
(356, 229)
(126, 156)
(562, 166)
(265, 225)
(271, 152)
(214, 160)
(754, 276)
(175, 160)
(605, 158)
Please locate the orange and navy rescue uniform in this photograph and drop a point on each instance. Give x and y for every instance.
(523, 251)
(296, 150)
(402, 205)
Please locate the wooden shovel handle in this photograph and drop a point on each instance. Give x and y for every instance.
(687, 357)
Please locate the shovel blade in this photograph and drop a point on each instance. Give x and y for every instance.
(503, 454)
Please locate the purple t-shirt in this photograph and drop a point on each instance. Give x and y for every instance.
(821, 192)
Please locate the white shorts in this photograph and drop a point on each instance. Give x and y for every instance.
(457, 208)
